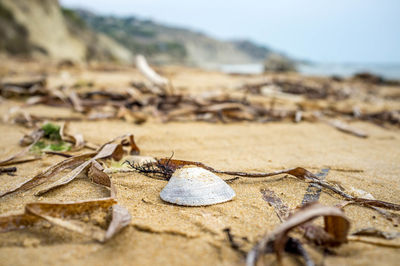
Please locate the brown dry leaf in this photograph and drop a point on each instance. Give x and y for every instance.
(36, 135)
(66, 178)
(336, 225)
(298, 172)
(281, 209)
(76, 139)
(120, 218)
(96, 174)
(49, 172)
(176, 164)
(17, 221)
(134, 148)
(80, 163)
(110, 150)
(316, 234)
(67, 215)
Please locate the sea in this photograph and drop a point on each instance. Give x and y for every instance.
(388, 71)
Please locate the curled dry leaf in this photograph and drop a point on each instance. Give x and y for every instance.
(336, 225)
(110, 150)
(17, 221)
(64, 215)
(120, 218)
(80, 163)
(130, 140)
(71, 215)
(76, 139)
(66, 178)
(19, 156)
(312, 232)
(49, 172)
(96, 174)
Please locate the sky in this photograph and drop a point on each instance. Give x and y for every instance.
(328, 31)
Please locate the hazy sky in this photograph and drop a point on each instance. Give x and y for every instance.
(319, 30)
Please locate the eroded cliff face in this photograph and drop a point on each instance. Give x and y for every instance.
(39, 28)
(164, 44)
(46, 29)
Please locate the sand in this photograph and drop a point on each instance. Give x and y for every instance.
(165, 234)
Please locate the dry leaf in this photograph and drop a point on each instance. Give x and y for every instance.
(36, 135)
(346, 128)
(281, 209)
(16, 222)
(336, 225)
(76, 101)
(314, 190)
(64, 215)
(96, 174)
(66, 178)
(49, 172)
(370, 231)
(80, 162)
(134, 148)
(110, 150)
(71, 215)
(120, 218)
(76, 139)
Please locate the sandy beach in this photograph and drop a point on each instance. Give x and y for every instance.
(164, 234)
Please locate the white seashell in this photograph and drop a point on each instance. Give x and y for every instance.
(196, 186)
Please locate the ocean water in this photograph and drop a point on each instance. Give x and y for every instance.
(388, 71)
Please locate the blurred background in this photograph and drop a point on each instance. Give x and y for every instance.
(314, 37)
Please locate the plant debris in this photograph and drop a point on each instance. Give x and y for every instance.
(370, 231)
(232, 242)
(165, 167)
(8, 170)
(20, 156)
(340, 125)
(281, 209)
(336, 226)
(79, 163)
(70, 216)
(160, 100)
(314, 190)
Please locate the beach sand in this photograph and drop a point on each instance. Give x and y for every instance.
(166, 234)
